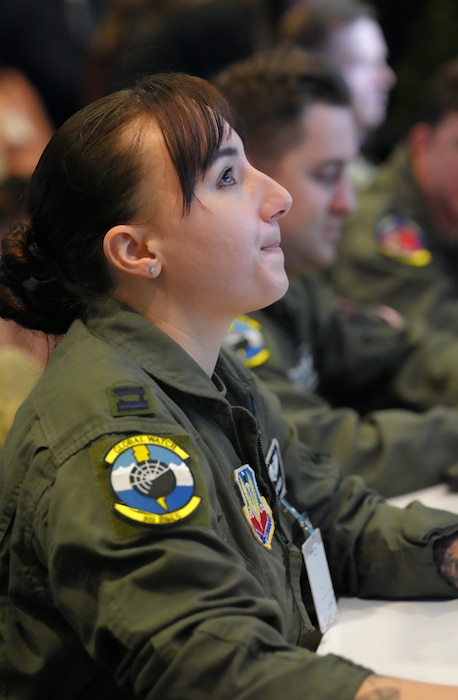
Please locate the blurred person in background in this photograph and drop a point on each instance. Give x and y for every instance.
(355, 386)
(25, 127)
(38, 40)
(23, 353)
(25, 130)
(348, 33)
(401, 245)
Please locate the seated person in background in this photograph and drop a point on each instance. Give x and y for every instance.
(344, 375)
(39, 40)
(348, 34)
(25, 128)
(19, 373)
(145, 550)
(23, 353)
(401, 245)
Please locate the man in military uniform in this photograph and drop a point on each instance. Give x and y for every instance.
(401, 245)
(350, 36)
(367, 391)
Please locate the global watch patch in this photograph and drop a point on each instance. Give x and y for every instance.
(245, 338)
(256, 509)
(151, 480)
(403, 240)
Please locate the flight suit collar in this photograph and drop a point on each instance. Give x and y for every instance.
(169, 364)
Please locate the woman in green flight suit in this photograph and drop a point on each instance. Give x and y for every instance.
(147, 546)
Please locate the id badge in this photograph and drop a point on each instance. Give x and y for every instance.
(317, 568)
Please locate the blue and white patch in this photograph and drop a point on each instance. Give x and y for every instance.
(245, 338)
(151, 480)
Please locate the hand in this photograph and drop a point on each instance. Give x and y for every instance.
(446, 558)
(381, 688)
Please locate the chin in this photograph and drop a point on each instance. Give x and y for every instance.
(325, 260)
(278, 291)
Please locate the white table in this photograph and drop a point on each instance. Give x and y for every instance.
(416, 640)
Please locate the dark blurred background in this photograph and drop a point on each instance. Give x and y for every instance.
(421, 34)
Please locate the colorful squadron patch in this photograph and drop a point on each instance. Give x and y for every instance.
(402, 240)
(150, 478)
(256, 509)
(245, 338)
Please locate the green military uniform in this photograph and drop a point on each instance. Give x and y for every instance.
(337, 368)
(142, 538)
(392, 253)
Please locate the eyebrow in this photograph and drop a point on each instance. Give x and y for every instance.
(337, 162)
(223, 152)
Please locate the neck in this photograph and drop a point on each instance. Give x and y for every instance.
(198, 340)
(199, 333)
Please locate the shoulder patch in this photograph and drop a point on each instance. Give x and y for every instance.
(134, 399)
(245, 338)
(151, 481)
(401, 239)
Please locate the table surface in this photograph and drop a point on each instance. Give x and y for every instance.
(416, 640)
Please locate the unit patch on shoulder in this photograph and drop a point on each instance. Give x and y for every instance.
(403, 240)
(151, 480)
(245, 338)
(256, 509)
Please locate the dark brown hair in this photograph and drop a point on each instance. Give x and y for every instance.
(440, 96)
(88, 180)
(272, 90)
(310, 25)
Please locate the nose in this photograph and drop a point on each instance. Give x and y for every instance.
(344, 200)
(387, 76)
(277, 200)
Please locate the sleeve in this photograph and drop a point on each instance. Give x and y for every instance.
(428, 376)
(169, 612)
(365, 362)
(373, 548)
(395, 451)
(366, 275)
(354, 347)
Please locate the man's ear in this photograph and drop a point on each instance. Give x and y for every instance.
(127, 251)
(419, 138)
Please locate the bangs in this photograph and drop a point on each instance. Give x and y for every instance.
(194, 118)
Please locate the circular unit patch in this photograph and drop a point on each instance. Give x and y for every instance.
(151, 479)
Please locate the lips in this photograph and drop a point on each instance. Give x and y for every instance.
(272, 246)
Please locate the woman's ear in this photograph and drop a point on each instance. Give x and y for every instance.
(126, 250)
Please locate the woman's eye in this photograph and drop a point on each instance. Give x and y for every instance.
(227, 178)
